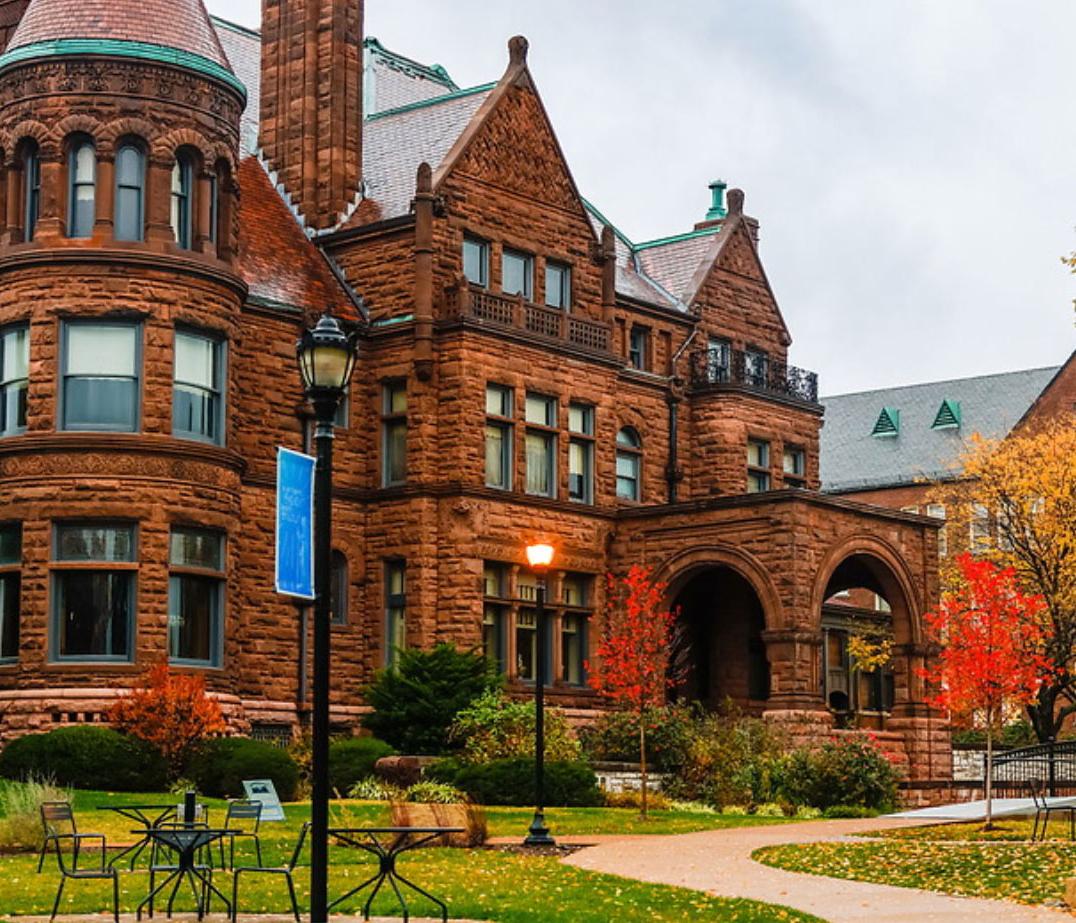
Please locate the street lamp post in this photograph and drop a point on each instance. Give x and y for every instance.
(326, 358)
(539, 557)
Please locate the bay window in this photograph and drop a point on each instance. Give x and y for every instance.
(14, 378)
(197, 397)
(100, 376)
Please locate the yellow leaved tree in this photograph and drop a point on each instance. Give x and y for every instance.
(1015, 504)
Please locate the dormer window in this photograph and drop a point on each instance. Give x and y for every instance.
(888, 423)
(476, 261)
(517, 274)
(948, 415)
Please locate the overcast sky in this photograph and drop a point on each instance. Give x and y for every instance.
(912, 162)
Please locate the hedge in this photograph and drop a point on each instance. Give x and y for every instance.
(353, 759)
(511, 782)
(222, 764)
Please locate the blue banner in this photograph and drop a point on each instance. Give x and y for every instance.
(295, 524)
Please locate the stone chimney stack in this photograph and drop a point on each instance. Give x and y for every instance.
(311, 103)
(10, 13)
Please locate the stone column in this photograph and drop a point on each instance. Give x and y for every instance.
(104, 199)
(202, 232)
(925, 728)
(159, 203)
(13, 229)
(795, 704)
(52, 221)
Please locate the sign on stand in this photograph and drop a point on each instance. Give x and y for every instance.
(264, 791)
(295, 524)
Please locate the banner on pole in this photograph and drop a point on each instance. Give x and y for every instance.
(295, 524)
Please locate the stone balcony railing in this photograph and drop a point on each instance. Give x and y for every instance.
(513, 312)
(712, 371)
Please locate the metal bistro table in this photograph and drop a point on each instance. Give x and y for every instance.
(368, 839)
(185, 843)
(148, 815)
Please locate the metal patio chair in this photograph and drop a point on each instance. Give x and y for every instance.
(240, 813)
(286, 870)
(58, 824)
(1043, 810)
(102, 873)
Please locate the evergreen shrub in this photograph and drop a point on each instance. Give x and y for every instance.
(220, 767)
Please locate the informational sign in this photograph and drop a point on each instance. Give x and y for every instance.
(264, 791)
(295, 524)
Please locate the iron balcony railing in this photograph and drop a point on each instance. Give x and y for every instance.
(1052, 763)
(716, 369)
(514, 312)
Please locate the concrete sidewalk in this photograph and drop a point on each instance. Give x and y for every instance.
(719, 862)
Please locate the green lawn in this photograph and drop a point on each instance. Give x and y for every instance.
(1031, 873)
(478, 884)
(1011, 829)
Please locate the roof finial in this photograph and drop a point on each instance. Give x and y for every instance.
(424, 178)
(717, 200)
(517, 50)
(735, 198)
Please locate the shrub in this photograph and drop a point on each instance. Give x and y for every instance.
(373, 789)
(735, 810)
(86, 757)
(171, 712)
(352, 759)
(841, 772)
(20, 811)
(220, 767)
(446, 769)
(633, 798)
(415, 701)
(729, 759)
(511, 782)
(1016, 734)
(840, 811)
(769, 809)
(434, 793)
(615, 737)
(494, 727)
(806, 812)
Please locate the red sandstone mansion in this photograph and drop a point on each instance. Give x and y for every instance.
(180, 196)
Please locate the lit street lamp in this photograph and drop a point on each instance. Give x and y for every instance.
(539, 557)
(326, 358)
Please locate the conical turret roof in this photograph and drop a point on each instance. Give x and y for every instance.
(181, 25)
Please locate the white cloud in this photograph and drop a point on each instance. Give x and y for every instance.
(911, 161)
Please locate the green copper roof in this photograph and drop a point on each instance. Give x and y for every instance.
(117, 48)
(433, 72)
(676, 238)
(888, 423)
(432, 101)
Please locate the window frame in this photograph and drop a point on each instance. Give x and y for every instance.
(583, 439)
(65, 353)
(718, 360)
(11, 573)
(483, 249)
(140, 189)
(179, 571)
(181, 200)
(938, 511)
(31, 189)
(506, 426)
(217, 392)
(62, 567)
(395, 608)
(632, 451)
(797, 477)
(75, 183)
(548, 433)
(6, 384)
(391, 420)
(527, 262)
(639, 351)
(496, 610)
(756, 367)
(761, 470)
(339, 587)
(564, 288)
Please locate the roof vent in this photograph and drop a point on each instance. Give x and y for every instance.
(948, 416)
(888, 423)
(717, 200)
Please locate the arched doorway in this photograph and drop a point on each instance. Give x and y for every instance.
(719, 655)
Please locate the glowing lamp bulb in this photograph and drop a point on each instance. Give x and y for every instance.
(539, 556)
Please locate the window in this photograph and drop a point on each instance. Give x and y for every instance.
(541, 416)
(195, 596)
(338, 586)
(476, 261)
(639, 348)
(93, 606)
(980, 529)
(581, 453)
(10, 562)
(526, 644)
(755, 368)
(517, 274)
(100, 376)
(573, 648)
(499, 441)
(82, 183)
(629, 456)
(575, 591)
(214, 208)
(558, 285)
(197, 402)
(394, 433)
(130, 185)
(395, 610)
(937, 510)
(718, 360)
(795, 466)
(758, 466)
(182, 199)
(494, 612)
(14, 378)
(31, 167)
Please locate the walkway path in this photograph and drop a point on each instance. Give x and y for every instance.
(719, 862)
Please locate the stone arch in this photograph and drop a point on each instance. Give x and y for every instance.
(132, 127)
(216, 153)
(76, 125)
(31, 130)
(164, 147)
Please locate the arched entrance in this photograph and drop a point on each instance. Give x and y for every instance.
(719, 655)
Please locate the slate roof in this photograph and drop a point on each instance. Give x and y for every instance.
(392, 81)
(853, 459)
(673, 264)
(243, 47)
(182, 24)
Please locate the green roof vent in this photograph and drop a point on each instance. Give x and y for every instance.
(948, 415)
(717, 200)
(888, 423)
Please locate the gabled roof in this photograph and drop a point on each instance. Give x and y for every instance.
(854, 459)
(392, 80)
(178, 24)
(674, 261)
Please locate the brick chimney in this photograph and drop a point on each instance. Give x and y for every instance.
(311, 103)
(10, 13)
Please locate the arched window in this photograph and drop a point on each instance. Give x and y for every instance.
(31, 171)
(183, 199)
(629, 458)
(81, 190)
(338, 584)
(130, 192)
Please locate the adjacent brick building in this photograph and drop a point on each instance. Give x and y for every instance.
(180, 196)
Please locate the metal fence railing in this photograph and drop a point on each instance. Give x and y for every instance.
(1053, 763)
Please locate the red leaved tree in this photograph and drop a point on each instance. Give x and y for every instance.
(171, 712)
(633, 653)
(992, 642)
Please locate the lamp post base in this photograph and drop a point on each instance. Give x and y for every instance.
(539, 832)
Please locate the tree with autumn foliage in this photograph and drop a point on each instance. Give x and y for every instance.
(992, 643)
(634, 651)
(171, 712)
(1014, 504)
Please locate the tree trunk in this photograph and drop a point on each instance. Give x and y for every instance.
(1043, 713)
(989, 769)
(642, 763)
